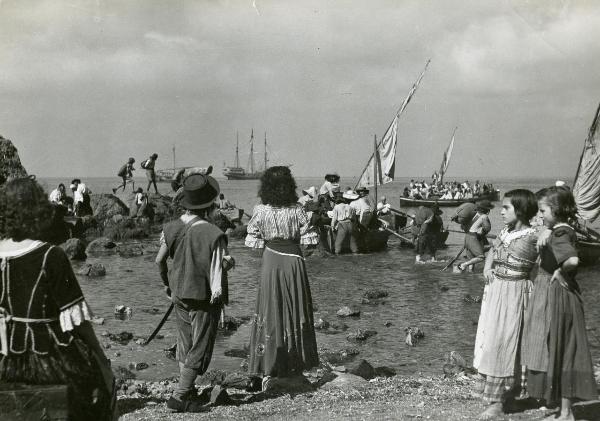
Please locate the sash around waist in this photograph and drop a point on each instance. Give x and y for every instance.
(283, 246)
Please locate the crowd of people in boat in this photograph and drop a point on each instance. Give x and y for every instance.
(449, 190)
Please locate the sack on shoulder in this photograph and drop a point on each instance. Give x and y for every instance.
(122, 171)
(144, 164)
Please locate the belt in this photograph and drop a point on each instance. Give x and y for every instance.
(6, 318)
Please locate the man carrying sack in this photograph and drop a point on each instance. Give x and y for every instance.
(196, 283)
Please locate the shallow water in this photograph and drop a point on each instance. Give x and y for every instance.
(415, 296)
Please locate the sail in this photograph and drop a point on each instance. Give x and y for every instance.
(447, 156)
(386, 148)
(586, 187)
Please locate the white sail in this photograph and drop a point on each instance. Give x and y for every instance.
(386, 148)
(447, 156)
(586, 187)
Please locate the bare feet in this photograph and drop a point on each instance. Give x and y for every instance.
(562, 416)
(492, 411)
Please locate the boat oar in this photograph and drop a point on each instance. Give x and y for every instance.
(490, 236)
(408, 240)
(160, 325)
(399, 212)
(453, 260)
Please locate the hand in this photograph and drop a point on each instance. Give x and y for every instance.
(489, 276)
(543, 238)
(557, 276)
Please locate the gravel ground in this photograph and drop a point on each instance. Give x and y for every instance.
(396, 398)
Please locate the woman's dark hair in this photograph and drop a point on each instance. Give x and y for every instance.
(25, 212)
(154, 156)
(561, 202)
(278, 187)
(332, 178)
(524, 202)
(61, 185)
(221, 196)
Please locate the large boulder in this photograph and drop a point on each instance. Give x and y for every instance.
(163, 208)
(101, 246)
(361, 368)
(106, 206)
(10, 164)
(92, 270)
(345, 381)
(74, 248)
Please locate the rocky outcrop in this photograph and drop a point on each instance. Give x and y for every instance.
(348, 312)
(106, 206)
(100, 246)
(10, 163)
(74, 248)
(94, 270)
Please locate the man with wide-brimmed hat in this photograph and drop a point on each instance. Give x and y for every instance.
(427, 227)
(475, 234)
(342, 221)
(196, 283)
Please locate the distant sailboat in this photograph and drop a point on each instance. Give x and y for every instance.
(239, 173)
(166, 175)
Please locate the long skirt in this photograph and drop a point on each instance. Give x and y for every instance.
(498, 340)
(569, 373)
(537, 325)
(73, 365)
(282, 342)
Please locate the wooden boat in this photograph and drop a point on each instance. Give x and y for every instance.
(586, 190)
(166, 175)
(379, 170)
(408, 202)
(238, 173)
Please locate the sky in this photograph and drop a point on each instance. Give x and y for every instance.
(86, 84)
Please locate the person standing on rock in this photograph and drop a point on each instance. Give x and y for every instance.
(148, 165)
(45, 334)
(196, 283)
(282, 342)
(126, 174)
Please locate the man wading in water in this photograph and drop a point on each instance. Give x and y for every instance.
(196, 283)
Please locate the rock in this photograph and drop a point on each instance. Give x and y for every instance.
(74, 248)
(387, 324)
(345, 381)
(372, 294)
(92, 270)
(140, 341)
(361, 335)
(384, 371)
(123, 310)
(456, 364)
(153, 310)
(98, 320)
(236, 353)
(10, 164)
(340, 369)
(123, 338)
(444, 288)
(122, 373)
(361, 368)
(138, 366)
(339, 357)
(321, 324)
(106, 206)
(231, 323)
(338, 325)
(413, 335)
(130, 250)
(100, 246)
(348, 312)
(295, 384)
(471, 299)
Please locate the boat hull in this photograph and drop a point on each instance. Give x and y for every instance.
(588, 251)
(254, 176)
(374, 240)
(414, 203)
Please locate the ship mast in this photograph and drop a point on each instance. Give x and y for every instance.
(265, 151)
(174, 168)
(252, 152)
(237, 149)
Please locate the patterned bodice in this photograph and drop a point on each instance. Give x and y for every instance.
(515, 253)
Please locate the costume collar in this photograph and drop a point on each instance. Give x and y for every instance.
(506, 236)
(17, 252)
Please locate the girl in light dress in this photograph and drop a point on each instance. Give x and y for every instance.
(507, 276)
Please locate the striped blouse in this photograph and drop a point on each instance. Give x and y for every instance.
(288, 223)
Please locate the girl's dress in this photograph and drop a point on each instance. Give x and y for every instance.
(555, 345)
(40, 303)
(282, 342)
(497, 344)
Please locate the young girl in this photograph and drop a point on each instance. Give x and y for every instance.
(507, 274)
(555, 345)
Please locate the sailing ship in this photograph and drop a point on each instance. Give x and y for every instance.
(586, 191)
(380, 169)
(239, 173)
(166, 175)
(410, 202)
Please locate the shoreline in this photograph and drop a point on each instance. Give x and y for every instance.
(434, 398)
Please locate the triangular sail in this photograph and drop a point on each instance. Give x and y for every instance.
(386, 148)
(586, 187)
(447, 156)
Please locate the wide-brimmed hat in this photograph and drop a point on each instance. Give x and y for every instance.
(311, 191)
(484, 204)
(350, 195)
(199, 191)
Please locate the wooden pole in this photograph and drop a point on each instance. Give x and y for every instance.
(453, 260)
(375, 173)
(408, 240)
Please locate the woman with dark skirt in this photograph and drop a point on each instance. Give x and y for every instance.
(45, 334)
(282, 342)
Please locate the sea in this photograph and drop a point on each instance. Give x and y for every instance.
(419, 295)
